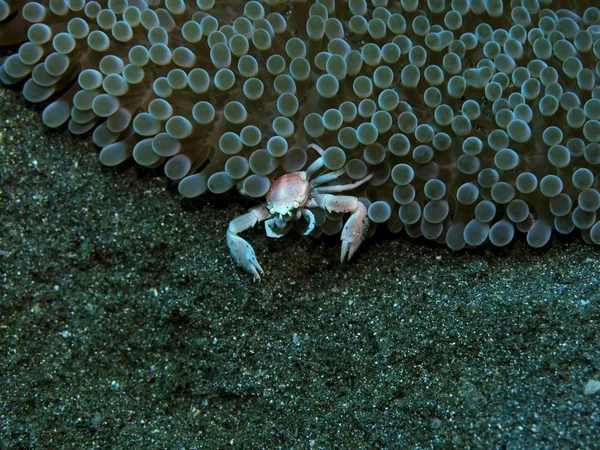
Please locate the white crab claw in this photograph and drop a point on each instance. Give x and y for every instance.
(244, 255)
(354, 232)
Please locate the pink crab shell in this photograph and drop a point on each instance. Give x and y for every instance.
(289, 191)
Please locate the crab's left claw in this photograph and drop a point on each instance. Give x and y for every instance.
(355, 230)
(240, 249)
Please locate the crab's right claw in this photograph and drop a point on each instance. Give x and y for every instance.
(244, 255)
(242, 252)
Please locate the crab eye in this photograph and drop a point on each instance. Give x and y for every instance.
(272, 210)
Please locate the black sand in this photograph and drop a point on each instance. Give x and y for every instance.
(125, 323)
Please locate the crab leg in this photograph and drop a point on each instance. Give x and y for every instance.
(317, 163)
(315, 166)
(316, 148)
(340, 187)
(240, 249)
(310, 218)
(325, 178)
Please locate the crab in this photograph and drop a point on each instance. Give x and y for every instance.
(288, 200)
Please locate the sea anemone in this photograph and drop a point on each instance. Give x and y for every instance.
(475, 118)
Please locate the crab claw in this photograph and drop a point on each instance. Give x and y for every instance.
(240, 249)
(244, 255)
(354, 231)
